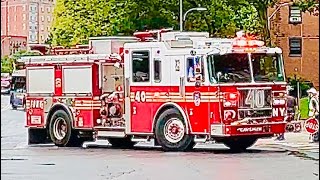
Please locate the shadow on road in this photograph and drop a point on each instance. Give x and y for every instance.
(140, 148)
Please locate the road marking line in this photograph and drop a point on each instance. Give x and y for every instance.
(5, 108)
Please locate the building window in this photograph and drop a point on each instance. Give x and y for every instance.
(42, 18)
(42, 28)
(48, 19)
(42, 9)
(295, 15)
(24, 17)
(48, 9)
(140, 66)
(295, 45)
(24, 26)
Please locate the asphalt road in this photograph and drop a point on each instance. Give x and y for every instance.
(47, 162)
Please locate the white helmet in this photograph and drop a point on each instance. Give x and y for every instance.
(312, 91)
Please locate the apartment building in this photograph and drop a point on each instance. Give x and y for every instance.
(297, 33)
(12, 44)
(30, 18)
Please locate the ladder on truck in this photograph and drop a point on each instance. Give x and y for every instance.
(71, 58)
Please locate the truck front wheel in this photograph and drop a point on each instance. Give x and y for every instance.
(239, 143)
(170, 132)
(60, 130)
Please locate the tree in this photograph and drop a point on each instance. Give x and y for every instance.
(262, 8)
(312, 6)
(76, 21)
(8, 63)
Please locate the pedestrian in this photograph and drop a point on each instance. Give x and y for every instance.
(313, 110)
(291, 110)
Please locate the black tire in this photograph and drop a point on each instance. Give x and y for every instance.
(37, 136)
(125, 143)
(239, 143)
(70, 138)
(183, 143)
(191, 146)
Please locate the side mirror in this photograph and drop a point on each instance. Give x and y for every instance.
(219, 74)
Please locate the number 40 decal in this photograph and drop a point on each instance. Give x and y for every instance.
(140, 96)
(255, 98)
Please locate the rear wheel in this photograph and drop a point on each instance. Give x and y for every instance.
(121, 142)
(61, 132)
(239, 143)
(191, 146)
(171, 132)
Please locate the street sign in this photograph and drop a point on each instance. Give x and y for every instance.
(311, 125)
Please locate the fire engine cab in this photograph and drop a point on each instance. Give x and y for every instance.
(178, 88)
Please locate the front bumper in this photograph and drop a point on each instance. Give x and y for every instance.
(256, 129)
(265, 129)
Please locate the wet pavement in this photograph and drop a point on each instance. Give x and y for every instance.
(207, 161)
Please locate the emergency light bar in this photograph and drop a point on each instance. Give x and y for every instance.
(247, 43)
(250, 42)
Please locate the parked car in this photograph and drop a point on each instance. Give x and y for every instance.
(5, 86)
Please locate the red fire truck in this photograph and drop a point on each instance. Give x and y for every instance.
(178, 88)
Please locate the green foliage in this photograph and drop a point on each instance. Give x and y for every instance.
(308, 5)
(8, 62)
(6, 65)
(303, 85)
(76, 21)
(304, 107)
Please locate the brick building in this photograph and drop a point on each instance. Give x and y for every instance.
(297, 33)
(12, 44)
(30, 18)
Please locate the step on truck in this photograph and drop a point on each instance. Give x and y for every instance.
(178, 88)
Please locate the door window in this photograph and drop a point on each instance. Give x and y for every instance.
(195, 69)
(140, 66)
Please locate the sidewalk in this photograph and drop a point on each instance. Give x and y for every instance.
(292, 142)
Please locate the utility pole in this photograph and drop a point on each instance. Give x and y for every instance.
(181, 16)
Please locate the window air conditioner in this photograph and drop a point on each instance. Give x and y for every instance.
(295, 19)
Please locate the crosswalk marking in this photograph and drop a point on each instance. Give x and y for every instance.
(5, 107)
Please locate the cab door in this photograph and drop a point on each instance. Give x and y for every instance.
(197, 94)
(138, 83)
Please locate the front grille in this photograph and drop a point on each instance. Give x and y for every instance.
(255, 103)
(265, 113)
(255, 98)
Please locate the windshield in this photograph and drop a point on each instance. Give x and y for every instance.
(235, 68)
(267, 68)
